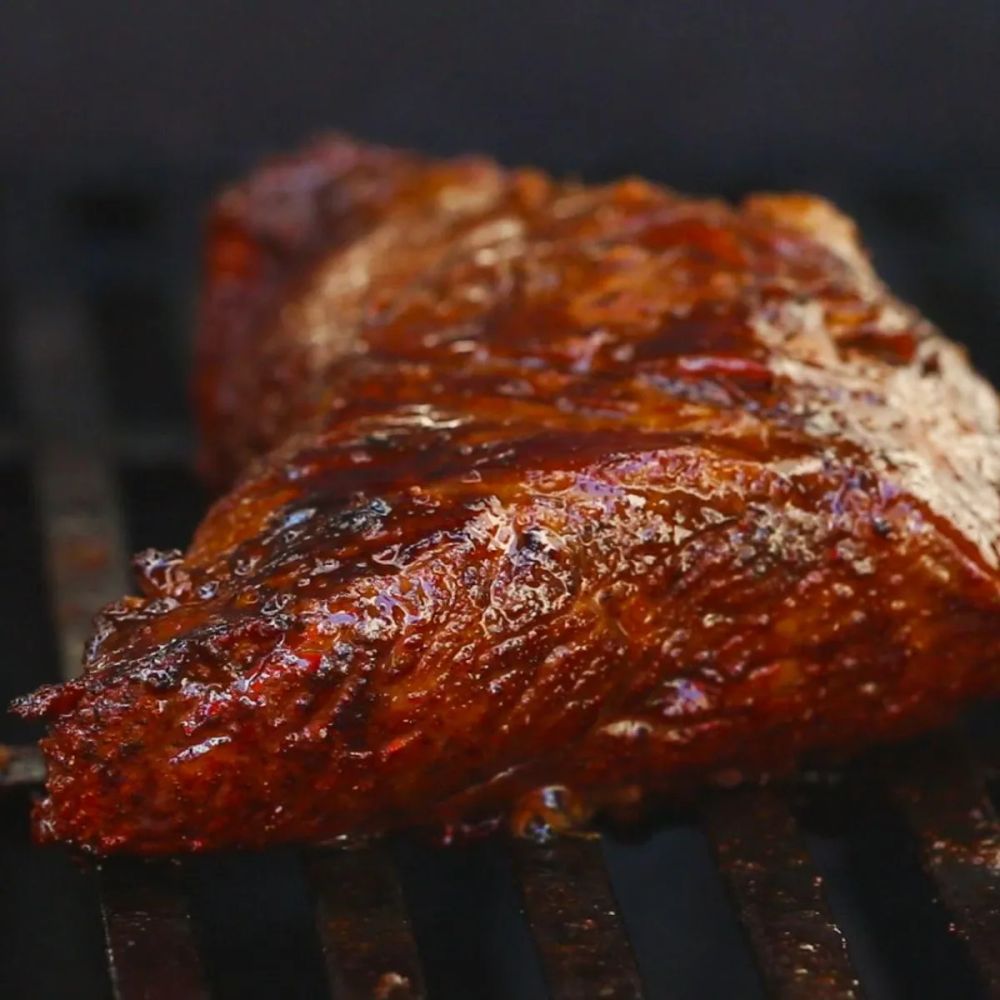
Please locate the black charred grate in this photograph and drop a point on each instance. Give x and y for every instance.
(767, 893)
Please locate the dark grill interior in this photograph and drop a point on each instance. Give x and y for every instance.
(755, 896)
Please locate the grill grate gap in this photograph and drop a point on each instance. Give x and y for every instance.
(830, 853)
(898, 934)
(254, 921)
(686, 936)
(50, 920)
(466, 916)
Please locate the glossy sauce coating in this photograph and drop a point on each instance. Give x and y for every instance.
(542, 499)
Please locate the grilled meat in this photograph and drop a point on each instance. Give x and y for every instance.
(541, 499)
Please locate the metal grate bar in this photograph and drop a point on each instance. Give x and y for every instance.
(574, 919)
(367, 942)
(779, 896)
(74, 485)
(938, 788)
(151, 951)
(150, 942)
(145, 447)
(21, 766)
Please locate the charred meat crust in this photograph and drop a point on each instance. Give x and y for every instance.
(532, 486)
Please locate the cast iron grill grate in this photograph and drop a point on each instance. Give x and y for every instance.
(885, 882)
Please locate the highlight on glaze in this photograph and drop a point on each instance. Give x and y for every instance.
(538, 499)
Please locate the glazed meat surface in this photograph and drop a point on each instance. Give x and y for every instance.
(540, 499)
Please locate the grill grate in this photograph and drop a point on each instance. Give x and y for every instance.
(574, 917)
(150, 945)
(957, 833)
(87, 450)
(780, 897)
(363, 925)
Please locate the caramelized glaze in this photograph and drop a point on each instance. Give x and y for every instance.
(541, 499)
